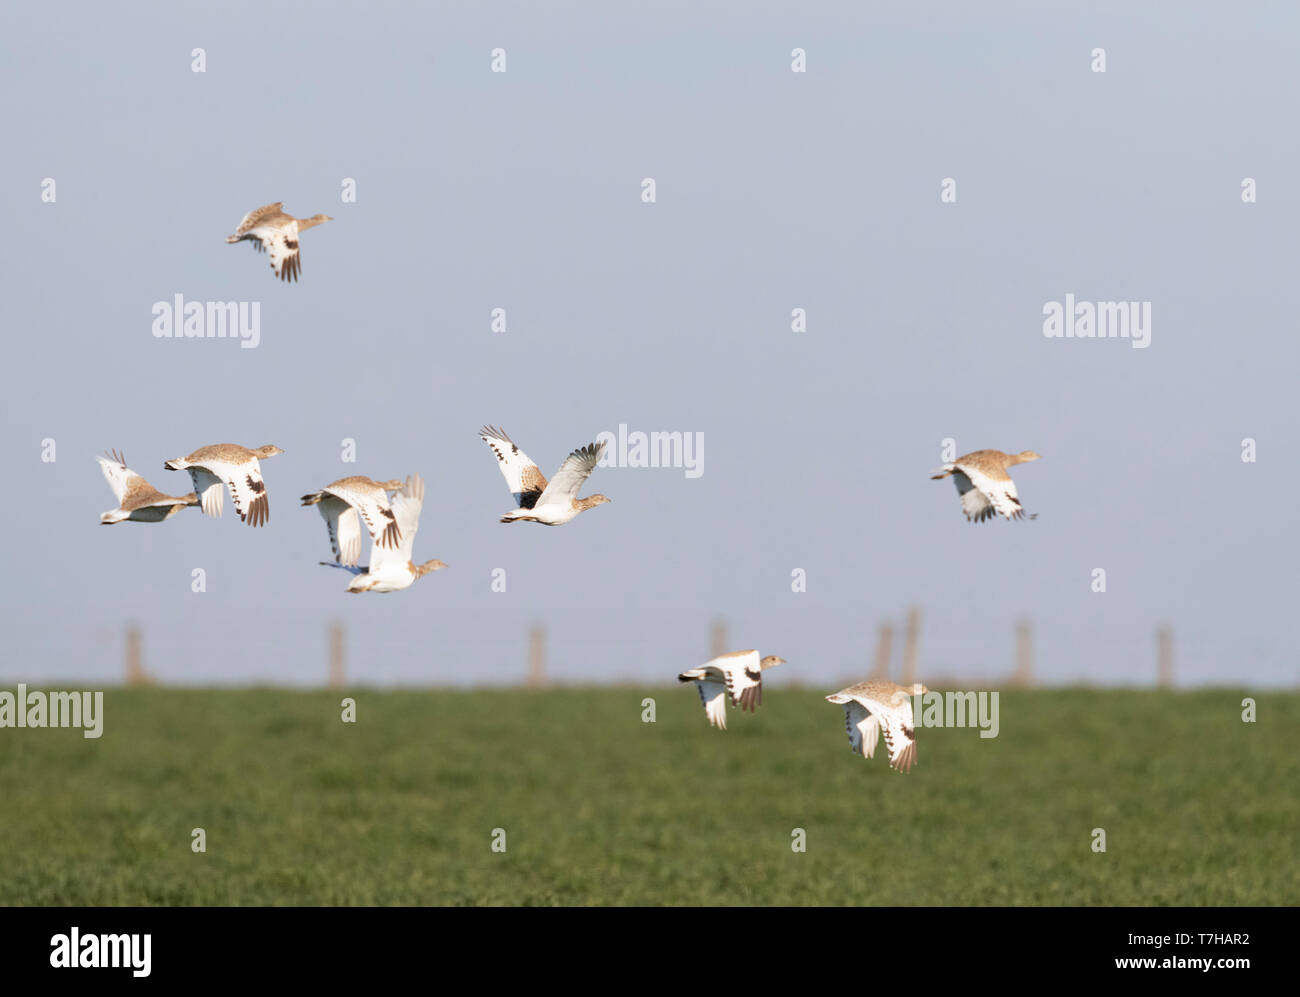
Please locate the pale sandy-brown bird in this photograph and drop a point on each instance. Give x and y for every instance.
(137, 500)
(551, 503)
(344, 503)
(877, 706)
(271, 229)
(227, 465)
(984, 485)
(738, 674)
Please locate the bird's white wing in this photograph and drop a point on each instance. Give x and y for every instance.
(247, 489)
(344, 526)
(375, 512)
(407, 505)
(119, 476)
(900, 735)
(712, 695)
(210, 488)
(576, 469)
(1000, 493)
(523, 477)
(346, 537)
(744, 683)
(282, 245)
(973, 503)
(863, 728)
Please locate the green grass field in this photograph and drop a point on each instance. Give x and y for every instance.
(600, 808)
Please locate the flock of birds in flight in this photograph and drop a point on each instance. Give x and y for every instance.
(871, 709)
(390, 509)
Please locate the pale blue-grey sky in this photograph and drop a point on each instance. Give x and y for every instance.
(775, 190)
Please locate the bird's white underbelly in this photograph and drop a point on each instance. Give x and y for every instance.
(382, 582)
(551, 515)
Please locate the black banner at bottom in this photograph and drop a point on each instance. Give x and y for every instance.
(334, 946)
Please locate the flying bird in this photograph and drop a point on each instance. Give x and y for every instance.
(551, 503)
(875, 706)
(738, 674)
(137, 500)
(984, 485)
(391, 570)
(348, 501)
(271, 229)
(226, 465)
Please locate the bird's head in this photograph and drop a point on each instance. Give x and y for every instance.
(1025, 456)
(771, 661)
(270, 450)
(426, 567)
(597, 499)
